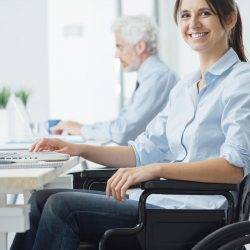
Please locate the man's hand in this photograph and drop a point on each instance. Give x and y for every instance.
(70, 127)
(55, 145)
(124, 178)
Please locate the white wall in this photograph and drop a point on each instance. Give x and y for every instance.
(82, 78)
(24, 51)
(244, 9)
(168, 35)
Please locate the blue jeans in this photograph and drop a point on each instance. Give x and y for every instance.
(60, 219)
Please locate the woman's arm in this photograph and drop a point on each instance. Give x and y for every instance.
(214, 170)
(108, 156)
(117, 156)
(210, 171)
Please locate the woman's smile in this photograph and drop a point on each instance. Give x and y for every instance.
(198, 35)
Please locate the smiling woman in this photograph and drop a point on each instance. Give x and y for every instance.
(218, 22)
(210, 27)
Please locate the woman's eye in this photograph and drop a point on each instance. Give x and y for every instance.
(205, 13)
(185, 15)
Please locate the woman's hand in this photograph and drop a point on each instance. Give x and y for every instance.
(124, 178)
(55, 145)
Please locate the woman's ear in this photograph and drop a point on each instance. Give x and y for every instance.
(231, 21)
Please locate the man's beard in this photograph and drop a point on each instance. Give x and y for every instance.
(133, 66)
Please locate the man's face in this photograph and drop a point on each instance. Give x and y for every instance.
(126, 52)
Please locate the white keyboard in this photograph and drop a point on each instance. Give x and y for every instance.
(26, 156)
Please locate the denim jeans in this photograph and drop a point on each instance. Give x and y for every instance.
(60, 219)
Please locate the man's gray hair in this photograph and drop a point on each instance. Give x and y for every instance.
(134, 29)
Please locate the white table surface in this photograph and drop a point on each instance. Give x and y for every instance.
(32, 178)
(23, 181)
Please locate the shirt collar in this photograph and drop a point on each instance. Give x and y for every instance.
(146, 67)
(224, 63)
(221, 66)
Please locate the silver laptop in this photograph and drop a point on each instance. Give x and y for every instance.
(26, 156)
(25, 117)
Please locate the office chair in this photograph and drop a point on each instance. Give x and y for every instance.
(178, 229)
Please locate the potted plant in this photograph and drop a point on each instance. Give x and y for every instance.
(4, 98)
(23, 95)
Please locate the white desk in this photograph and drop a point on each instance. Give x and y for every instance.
(15, 218)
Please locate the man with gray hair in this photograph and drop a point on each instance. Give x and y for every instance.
(137, 47)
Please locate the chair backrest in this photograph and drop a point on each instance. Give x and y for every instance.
(243, 208)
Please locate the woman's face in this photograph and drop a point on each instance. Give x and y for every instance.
(201, 28)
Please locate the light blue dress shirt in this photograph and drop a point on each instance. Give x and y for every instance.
(156, 80)
(197, 126)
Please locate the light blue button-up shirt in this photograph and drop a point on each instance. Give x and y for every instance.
(156, 80)
(198, 126)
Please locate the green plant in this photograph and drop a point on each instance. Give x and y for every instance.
(4, 97)
(23, 95)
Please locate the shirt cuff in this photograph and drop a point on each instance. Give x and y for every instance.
(236, 156)
(96, 132)
(137, 158)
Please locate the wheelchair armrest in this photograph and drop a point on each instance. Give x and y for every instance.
(190, 188)
(98, 173)
(187, 186)
(86, 178)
